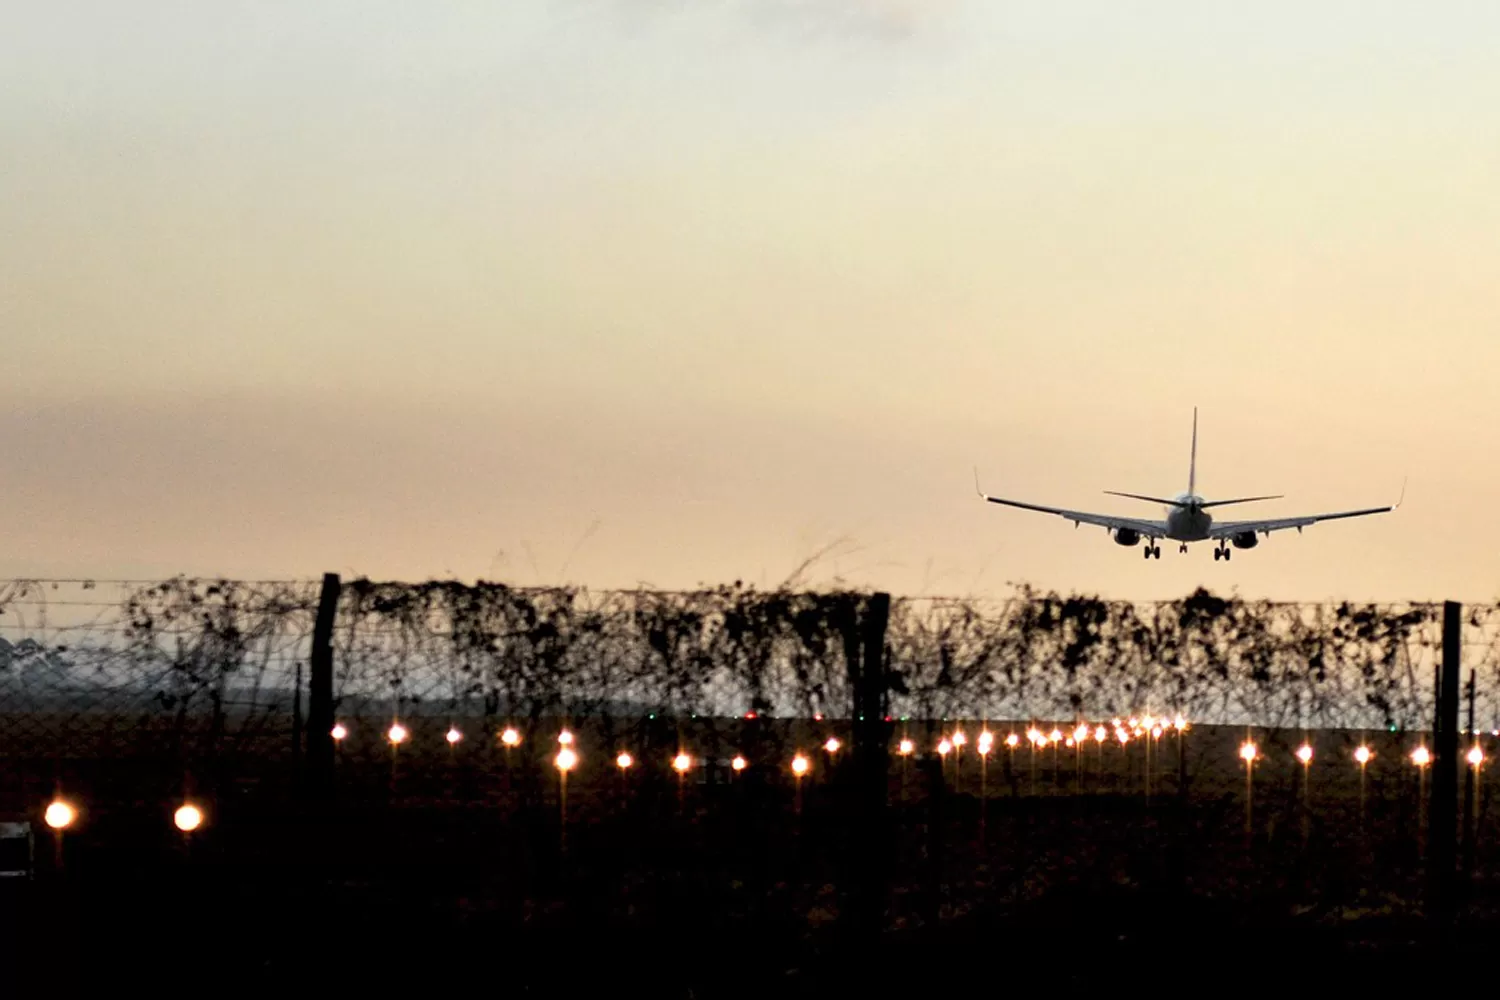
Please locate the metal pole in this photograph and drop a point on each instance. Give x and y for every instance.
(1444, 802)
(871, 766)
(1471, 774)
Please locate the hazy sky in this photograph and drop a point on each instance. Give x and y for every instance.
(671, 291)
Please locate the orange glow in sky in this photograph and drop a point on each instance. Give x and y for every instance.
(559, 318)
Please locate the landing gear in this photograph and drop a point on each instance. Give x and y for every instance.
(1151, 552)
(1221, 553)
(1182, 548)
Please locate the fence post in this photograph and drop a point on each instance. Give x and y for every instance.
(1443, 805)
(871, 771)
(320, 690)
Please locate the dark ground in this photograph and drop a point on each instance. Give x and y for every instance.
(454, 877)
(198, 930)
(432, 900)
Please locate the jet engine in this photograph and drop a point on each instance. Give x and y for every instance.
(1245, 540)
(1129, 536)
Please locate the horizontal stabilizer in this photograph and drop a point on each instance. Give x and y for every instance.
(1220, 503)
(1137, 496)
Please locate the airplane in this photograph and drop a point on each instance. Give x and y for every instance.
(1187, 518)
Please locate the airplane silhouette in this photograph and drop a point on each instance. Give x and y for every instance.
(1187, 518)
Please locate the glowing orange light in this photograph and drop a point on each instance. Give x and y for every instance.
(1305, 754)
(1012, 741)
(1156, 732)
(1248, 752)
(338, 732)
(396, 734)
(986, 740)
(906, 748)
(510, 738)
(566, 760)
(959, 739)
(1179, 724)
(739, 763)
(60, 815)
(1133, 723)
(800, 765)
(1036, 735)
(1081, 733)
(1476, 755)
(1122, 736)
(832, 746)
(1421, 757)
(188, 818)
(1069, 742)
(1362, 754)
(1148, 723)
(1100, 734)
(624, 760)
(944, 748)
(565, 738)
(454, 735)
(681, 763)
(1055, 736)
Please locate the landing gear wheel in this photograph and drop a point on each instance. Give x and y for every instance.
(1227, 554)
(1146, 552)
(1218, 554)
(1156, 552)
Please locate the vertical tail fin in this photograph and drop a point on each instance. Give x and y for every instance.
(1193, 461)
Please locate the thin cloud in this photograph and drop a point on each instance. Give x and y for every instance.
(892, 20)
(888, 20)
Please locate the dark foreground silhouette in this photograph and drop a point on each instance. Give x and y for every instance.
(441, 900)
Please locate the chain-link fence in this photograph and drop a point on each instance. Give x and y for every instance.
(161, 658)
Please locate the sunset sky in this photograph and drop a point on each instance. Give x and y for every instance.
(671, 292)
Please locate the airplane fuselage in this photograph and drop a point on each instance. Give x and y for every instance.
(1188, 523)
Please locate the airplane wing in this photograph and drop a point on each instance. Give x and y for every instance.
(1148, 529)
(1223, 529)
(1226, 528)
